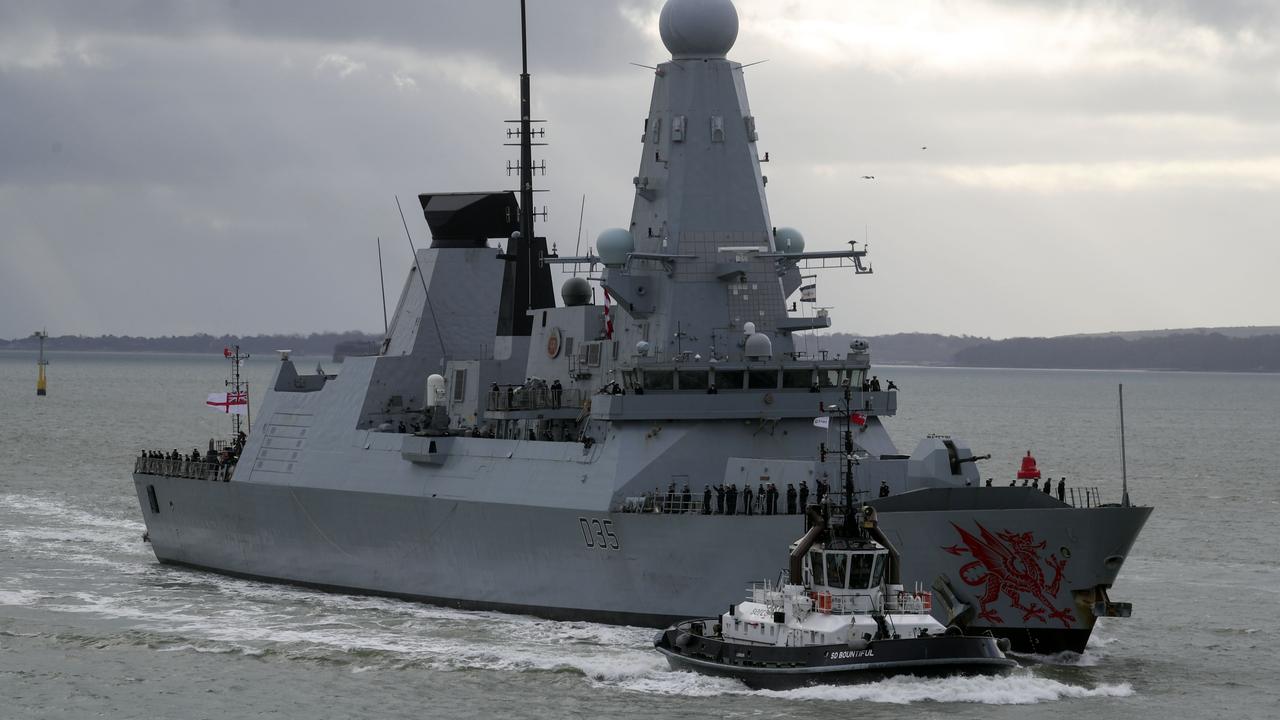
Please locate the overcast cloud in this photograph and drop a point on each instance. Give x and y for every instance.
(221, 166)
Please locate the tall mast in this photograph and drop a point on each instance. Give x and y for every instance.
(1124, 465)
(526, 139)
(526, 283)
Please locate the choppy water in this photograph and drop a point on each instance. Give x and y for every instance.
(92, 626)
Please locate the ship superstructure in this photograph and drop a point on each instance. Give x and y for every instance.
(504, 452)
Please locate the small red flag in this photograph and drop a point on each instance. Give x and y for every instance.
(858, 419)
(226, 352)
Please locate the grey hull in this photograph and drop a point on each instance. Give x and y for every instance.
(630, 568)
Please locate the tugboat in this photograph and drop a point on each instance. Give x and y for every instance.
(847, 620)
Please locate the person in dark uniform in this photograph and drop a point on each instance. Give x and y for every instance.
(1013, 482)
(686, 499)
(762, 497)
(706, 499)
(791, 499)
(988, 482)
(1048, 484)
(746, 501)
(891, 386)
(822, 490)
(719, 499)
(773, 499)
(804, 495)
(1062, 489)
(731, 500)
(884, 489)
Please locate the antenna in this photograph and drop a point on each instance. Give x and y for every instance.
(426, 295)
(577, 248)
(1124, 468)
(383, 284)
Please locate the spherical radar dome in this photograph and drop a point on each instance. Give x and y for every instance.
(575, 291)
(698, 28)
(614, 245)
(788, 240)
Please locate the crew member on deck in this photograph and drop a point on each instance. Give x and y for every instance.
(719, 499)
(1062, 489)
(884, 489)
(804, 494)
(791, 499)
(747, 504)
(706, 499)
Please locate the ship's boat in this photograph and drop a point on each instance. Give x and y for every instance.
(598, 458)
(841, 615)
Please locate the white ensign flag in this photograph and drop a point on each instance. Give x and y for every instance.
(823, 422)
(234, 403)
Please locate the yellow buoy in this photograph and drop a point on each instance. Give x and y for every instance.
(41, 388)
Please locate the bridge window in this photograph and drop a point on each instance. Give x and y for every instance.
(860, 570)
(659, 380)
(877, 574)
(829, 378)
(796, 379)
(815, 568)
(763, 379)
(836, 566)
(729, 379)
(692, 379)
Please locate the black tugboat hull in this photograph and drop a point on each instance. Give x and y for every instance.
(785, 668)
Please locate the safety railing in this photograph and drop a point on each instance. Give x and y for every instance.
(192, 469)
(521, 397)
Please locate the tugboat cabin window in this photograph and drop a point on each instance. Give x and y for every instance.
(836, 566)
(692, 379)
(797, 379)
(763, 379)
(860, 570)
(877, 574)
(815, 568)
(729, 379)
(659, 380)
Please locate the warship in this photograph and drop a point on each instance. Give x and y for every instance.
(504, 451)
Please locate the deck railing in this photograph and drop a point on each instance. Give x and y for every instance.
(518, 398)
(192, 469)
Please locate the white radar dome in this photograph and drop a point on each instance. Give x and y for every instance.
(788, 240)
(698, 28)
(613, 246)
(758, 347)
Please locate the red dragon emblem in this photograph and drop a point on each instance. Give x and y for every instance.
(1010, 563)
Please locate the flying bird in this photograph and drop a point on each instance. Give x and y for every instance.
(924, 147)
(868, 177)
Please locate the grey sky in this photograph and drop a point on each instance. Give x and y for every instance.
(172, 167)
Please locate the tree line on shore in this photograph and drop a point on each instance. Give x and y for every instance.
(1206, 351)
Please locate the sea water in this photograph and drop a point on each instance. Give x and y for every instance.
(91, 626)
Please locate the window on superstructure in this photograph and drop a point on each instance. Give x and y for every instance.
(877, 574)
(836, 566)
(763, 379)
(659, 380)
(860, 570)
(797, 379)
(829, 378)
(729, 379)
(815, 568)
(692, 379)
(459, 384)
